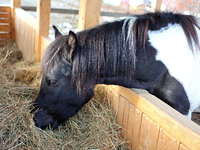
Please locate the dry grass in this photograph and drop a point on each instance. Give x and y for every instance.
(93, 127)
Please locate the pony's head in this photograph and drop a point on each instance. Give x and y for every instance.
(58, 99)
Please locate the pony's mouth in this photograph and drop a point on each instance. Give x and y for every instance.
(43, 121)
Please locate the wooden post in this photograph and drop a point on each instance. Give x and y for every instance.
(89, 14)
(14, 4)
(158, 4)
(42, 24)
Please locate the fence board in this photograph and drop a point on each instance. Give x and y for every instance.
(5, 35)
(25, 33)
(183, 147)
(5, 20)
(5, 28)
(126, 118)
(180, 127)
(89, 14)
(134, 123)
(45, 42)
(5, 9)
(5, 23)
(120, 113)
(167, 141)
(5, 15)
(114, 101)
(42, 25)
(148, 134)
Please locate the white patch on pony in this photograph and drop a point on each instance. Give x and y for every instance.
(173, 50)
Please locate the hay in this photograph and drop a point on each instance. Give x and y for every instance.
(93, 127)
(25, 73)
(14, 55)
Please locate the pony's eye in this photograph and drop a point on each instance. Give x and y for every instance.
(51, 82)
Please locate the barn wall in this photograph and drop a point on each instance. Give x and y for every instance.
(25, 28)
(149, 123)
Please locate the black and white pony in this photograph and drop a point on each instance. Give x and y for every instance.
(158, 52)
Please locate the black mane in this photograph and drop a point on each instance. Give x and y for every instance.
(110, 49)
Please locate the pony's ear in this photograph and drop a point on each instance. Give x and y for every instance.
(57, 32)
(71, 42)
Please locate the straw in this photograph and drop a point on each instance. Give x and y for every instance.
(93, 127)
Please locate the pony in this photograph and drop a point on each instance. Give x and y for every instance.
(158, 52)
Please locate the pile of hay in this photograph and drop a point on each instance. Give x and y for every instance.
(94, 127)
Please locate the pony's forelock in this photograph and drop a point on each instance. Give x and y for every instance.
(51, 52)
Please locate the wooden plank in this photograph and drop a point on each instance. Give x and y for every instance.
(26, 17)
(5, 15)
(5, 9)
(148, 134)
(134, 123)
(42, 25)
(13, 24)
(114, 101)
(180, 127)
(21, 20)
(25, 33)
(5, 20)
(5, 36)
(126, 118)
(183, 147)
(158, 4)
(120, 113)
(45, 42)
(5, 28)
(89, 14)
(15, 3)
(75, 11)
(167, 141)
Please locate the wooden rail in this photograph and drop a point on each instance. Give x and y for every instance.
(5, 23)
(149, 123)
(76, 12)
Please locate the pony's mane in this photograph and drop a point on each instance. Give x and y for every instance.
(106, 50)
(110, 49)
(51, 53)
(158, 20)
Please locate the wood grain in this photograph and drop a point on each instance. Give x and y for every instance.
(89, 14)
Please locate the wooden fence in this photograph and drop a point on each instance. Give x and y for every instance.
(150, 124)
(25, 27)
(31, 35)
(5, 23)
(25, 35)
